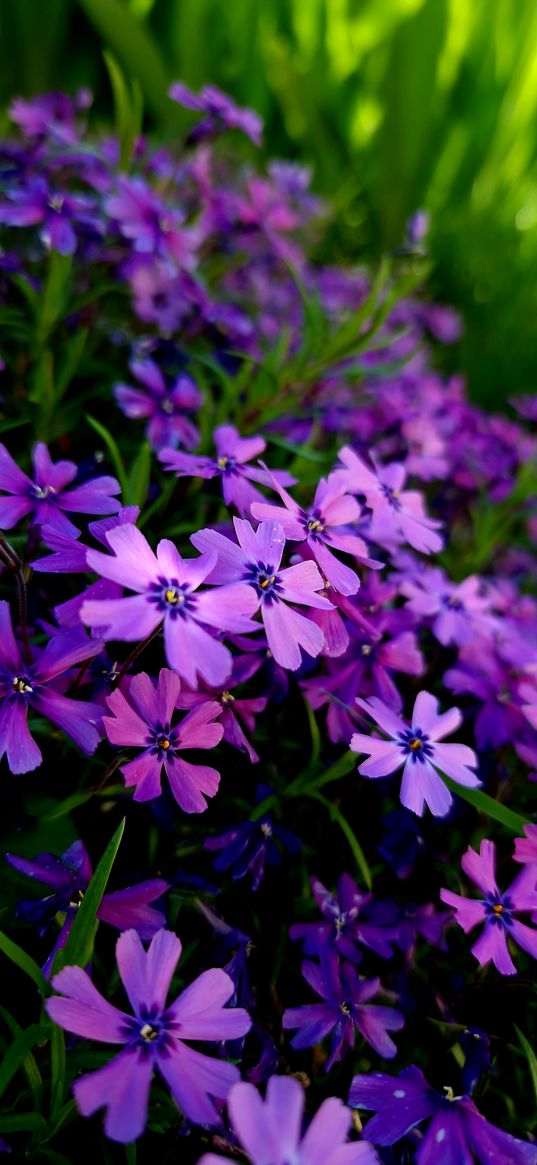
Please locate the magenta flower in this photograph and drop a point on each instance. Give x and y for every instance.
(398, 515)
(143, 718)
(68, 878)
(230, 464)
(526, 847)
(152, 1037)
(166, 587)
(457, 610)
(346, 1008)
(164, 406)
(221, 111)
(416, 747)
(270, 1131)
(25, 685)
(46, 496)
(235, 710)
(55, 212)
(148, 224)
(495, 909)
(457, 1131)
(256, 562)
(324, 527)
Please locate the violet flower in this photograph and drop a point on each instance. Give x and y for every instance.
(235, 711)
(416, 747)
(526, 847)
(398, 514)
(166, 587)
(143, 718)
(153, 1036)
(148, 224)
(46, 497)
(498, 911)
(348, 922)
(324, 527)
(456, 610)
(457, 1133)
(345, 1009)
(68, 878)
(165, 406)
(25, 685)
(270, 1132)
(221, 111)
(230, 464)
(249, 847)
(35, 204)
(256, 562)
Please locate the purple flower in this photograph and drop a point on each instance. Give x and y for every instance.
(247, 848)
(416, 748)
(256, 562)
(398, 515)
(234, 710)
(153, 1036)
(270, 1132)
(324, 527)
(222, 113)
(164, 406)
(143, 718)
(230, 464)
(35, 204)
(345, 1009)
(498, 911)
(347, 923)
(47, 496)
(151, 226)
(526, 847)
(50, 115)
(166, 587)
(25, 685)
(69, 877)
(457, 1132)
(456, 610)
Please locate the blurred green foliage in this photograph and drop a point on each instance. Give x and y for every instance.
(397, 104)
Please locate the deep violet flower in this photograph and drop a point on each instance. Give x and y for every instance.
(269, 1131)
(46, 497)
(324, 527)
(498, 911)
(456, 610)
(349, 919)
(346, 1008)
(526, 847)
(68, 878)
(457, 1133)
(26, 685)
(167, 593)
(398, 514)
(230, 464)
(153, 1036)
(143, 718)
(249, 847)
(55, 212)
(150, 226)
(416, 747)
(164, 406)
(256, 562)
(235, 710)
(221, 111)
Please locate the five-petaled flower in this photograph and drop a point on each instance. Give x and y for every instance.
(416, 747)
(230, 464)
(398, 514)
(152, 1037)
(498, 911)
(46, 496)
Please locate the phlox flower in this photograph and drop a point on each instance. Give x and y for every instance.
(256, 562)
(235, 710)
(398, 515)
(46, 496)
(55, 212)
(152, 1037)
(230, 464)
(251, 846)
(457, 1133)
(25, 685)
(348, 921)
(166, 587)
(221, 112)
(345, 1009)
(68, 877)
(456, 610)
(416, 747)
(498, 911)
(143, 718)
(270, 1131)
(151, 227)
(165, 406)
(526, 847)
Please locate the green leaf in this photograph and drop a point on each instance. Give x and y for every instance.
(115, 455)
(79, 946)
(22, 1122)
(488, 806)
(24, 962)
(339, 819)
(29, 1064)
(13, 1059)
(129, 110)
(135, 49)
(139, 476)
(530, 1057)
(57, 1064)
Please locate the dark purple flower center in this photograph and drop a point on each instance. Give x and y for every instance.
(150, 1030)
(452, 602)
(314, 526)
(392, 497)
(162, 741)
(172, 597)
(415, 744)
(499, 910)
(265, 580)
(21, 685)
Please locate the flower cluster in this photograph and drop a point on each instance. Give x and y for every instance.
(302, 528)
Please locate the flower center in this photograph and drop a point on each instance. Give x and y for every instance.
(498, 908)
(171, 597)
(314, 526)
(20, 684)
(266, 829)
(167, 406)
(264, 578)
(227, 698)
(148, 1033)
(163, 742)
(41, 492)
(345, 1008)
(392, 496)
(76, 900)
(366, 648)
(415, 743)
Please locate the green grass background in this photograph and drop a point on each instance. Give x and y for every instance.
(396, 104)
